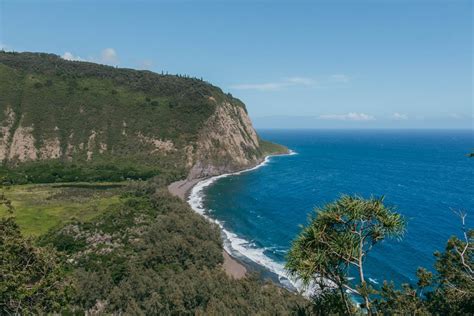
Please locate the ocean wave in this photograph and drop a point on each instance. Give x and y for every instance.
(234, 244)
(373, 281)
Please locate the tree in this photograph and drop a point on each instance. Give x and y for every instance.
(338, 238)
(31, 278)
(409, 300)
(454, 293)
(450, 289)
(6, 202)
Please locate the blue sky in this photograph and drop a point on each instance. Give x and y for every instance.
(294, 63)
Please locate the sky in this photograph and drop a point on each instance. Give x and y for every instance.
(295, 64)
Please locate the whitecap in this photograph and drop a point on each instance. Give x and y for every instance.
(236, 245)
(373, 281)
(242, 248)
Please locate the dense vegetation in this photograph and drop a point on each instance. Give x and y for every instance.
(147, 254)
(88, 96)
(31, 278)
(54, 171)
(331, 251)
(77, 98)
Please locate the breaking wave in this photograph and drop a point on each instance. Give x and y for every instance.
(234, 244)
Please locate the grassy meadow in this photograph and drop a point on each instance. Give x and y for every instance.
(39, 207)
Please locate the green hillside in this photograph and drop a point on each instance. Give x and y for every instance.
(135, 124)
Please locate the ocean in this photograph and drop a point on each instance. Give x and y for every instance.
(424, 174)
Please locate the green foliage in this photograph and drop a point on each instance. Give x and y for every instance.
(57, 171)
(448, 292)
(329, 302)
(31, 278)
(407, 300)
(269, 148)
(338, 237)
(6, 203)
(341, 234)
(454, 293)
(151, 254)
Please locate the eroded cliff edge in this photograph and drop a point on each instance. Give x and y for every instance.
(228, 142)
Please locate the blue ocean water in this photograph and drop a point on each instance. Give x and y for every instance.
(423, 173)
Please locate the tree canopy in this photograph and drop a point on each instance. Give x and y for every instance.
(31, 278)
(339, 237)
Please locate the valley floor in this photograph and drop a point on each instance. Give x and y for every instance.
(40, 207)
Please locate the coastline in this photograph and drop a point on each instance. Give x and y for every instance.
(235, 265)
(232, 267)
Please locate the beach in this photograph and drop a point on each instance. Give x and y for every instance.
(189, 191)
(182, 188)
(185, 190)
(232, 267)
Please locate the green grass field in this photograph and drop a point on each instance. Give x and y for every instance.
(39, 207)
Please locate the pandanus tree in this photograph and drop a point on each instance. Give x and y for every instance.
(336, 242)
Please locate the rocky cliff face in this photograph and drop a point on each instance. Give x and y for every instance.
(228, 142)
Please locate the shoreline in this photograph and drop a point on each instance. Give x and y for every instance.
(232, 267)
(235, 266)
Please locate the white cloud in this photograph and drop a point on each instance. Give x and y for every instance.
(455, 116)
(269, 86)
(339, 78)
(109, 56)
(399, 116)
(301, 81)
(292, 81)
(70, 56)
(272, 86)
(352, 116)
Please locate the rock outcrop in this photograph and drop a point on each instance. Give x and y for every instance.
(6, 130)
(228, 142)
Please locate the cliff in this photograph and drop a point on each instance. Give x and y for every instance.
(80, 113)
(227, 142)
